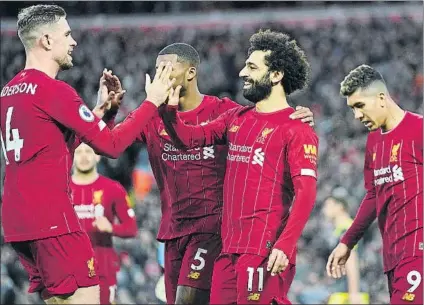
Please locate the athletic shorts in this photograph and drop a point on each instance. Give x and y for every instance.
(406, 281)
(189, 262)
(244, 279)
(58, 265)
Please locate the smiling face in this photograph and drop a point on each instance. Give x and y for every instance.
(368, 107)
(58, 39)
(256, 76)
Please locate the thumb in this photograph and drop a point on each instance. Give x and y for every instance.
(148, 81)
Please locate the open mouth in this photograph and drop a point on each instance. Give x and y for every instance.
(247, 84)
(367, 124)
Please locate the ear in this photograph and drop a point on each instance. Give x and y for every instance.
(276, 77)
(191, 73)
(382, 99)
(46, 42)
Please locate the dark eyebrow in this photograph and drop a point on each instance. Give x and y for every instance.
(249, 63)
(357, 104)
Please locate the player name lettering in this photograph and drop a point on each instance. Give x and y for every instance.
(19, 88)
(240, 148)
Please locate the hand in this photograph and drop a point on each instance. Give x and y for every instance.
(277, 261)
(336, 264)
(102, 224)
(158, 90)
(305, 114)
(110, 93)
(174, 96)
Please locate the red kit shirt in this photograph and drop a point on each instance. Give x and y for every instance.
(42, 121)
(190, 181)
(266, 153)
(104, 197)
(394, 171)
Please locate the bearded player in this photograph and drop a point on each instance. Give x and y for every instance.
(104, 210)
(271, 171)
(190, 183)
(393, 176)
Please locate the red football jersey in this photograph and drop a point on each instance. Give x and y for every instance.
(394, 171)
(104, 197)
(42, 121)
(190, 181)
(266, 152)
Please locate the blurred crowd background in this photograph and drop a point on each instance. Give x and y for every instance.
(382, 35)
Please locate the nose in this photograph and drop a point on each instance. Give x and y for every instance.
(243, 72)
(73, 42)
(358, 114)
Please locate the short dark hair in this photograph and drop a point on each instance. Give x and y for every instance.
(30, 18)
(286, 56)
(359, 78)
(185, 53)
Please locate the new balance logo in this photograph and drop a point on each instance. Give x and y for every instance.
(397, 173)
(259, 157)
(208, 152)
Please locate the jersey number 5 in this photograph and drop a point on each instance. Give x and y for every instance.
(199, 258)
(13, 142)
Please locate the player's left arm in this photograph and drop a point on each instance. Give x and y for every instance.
(127, 226)
(302, 159)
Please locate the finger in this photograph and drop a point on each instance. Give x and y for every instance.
(306, 119)
(271, 260)
(285, 264)
(159, 70)
(166, 73)
(338, 271)
(334, 267)
(177, 91)
(343, 267)
(277, 264)
(121, 94)
(329, 264)
(171, 82)
(299, 107)
(148, 81)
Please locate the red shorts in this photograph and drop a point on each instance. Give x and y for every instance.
(107, 291)
(243, 279)
(59, 264)
(189, 262)
(406, 282)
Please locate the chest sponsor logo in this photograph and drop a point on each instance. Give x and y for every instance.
(388, 174)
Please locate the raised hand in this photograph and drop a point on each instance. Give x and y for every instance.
(158, 90)
(304, 114)
(174, 96)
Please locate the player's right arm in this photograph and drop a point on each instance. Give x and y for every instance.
(367, 212)
(192, 136)
(69, 110)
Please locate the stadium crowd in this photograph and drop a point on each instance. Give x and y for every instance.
(391, 45)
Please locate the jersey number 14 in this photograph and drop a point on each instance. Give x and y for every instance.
(13, 141)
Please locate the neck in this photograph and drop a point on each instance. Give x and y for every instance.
(84, 178)
(34, 61)
(191, 99)
(341, 219)
(394, 115)
(276, 101)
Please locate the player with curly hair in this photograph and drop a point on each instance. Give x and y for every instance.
(271, 172)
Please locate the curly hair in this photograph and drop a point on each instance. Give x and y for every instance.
(286, 56)
(359, 78)
(32, 17)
